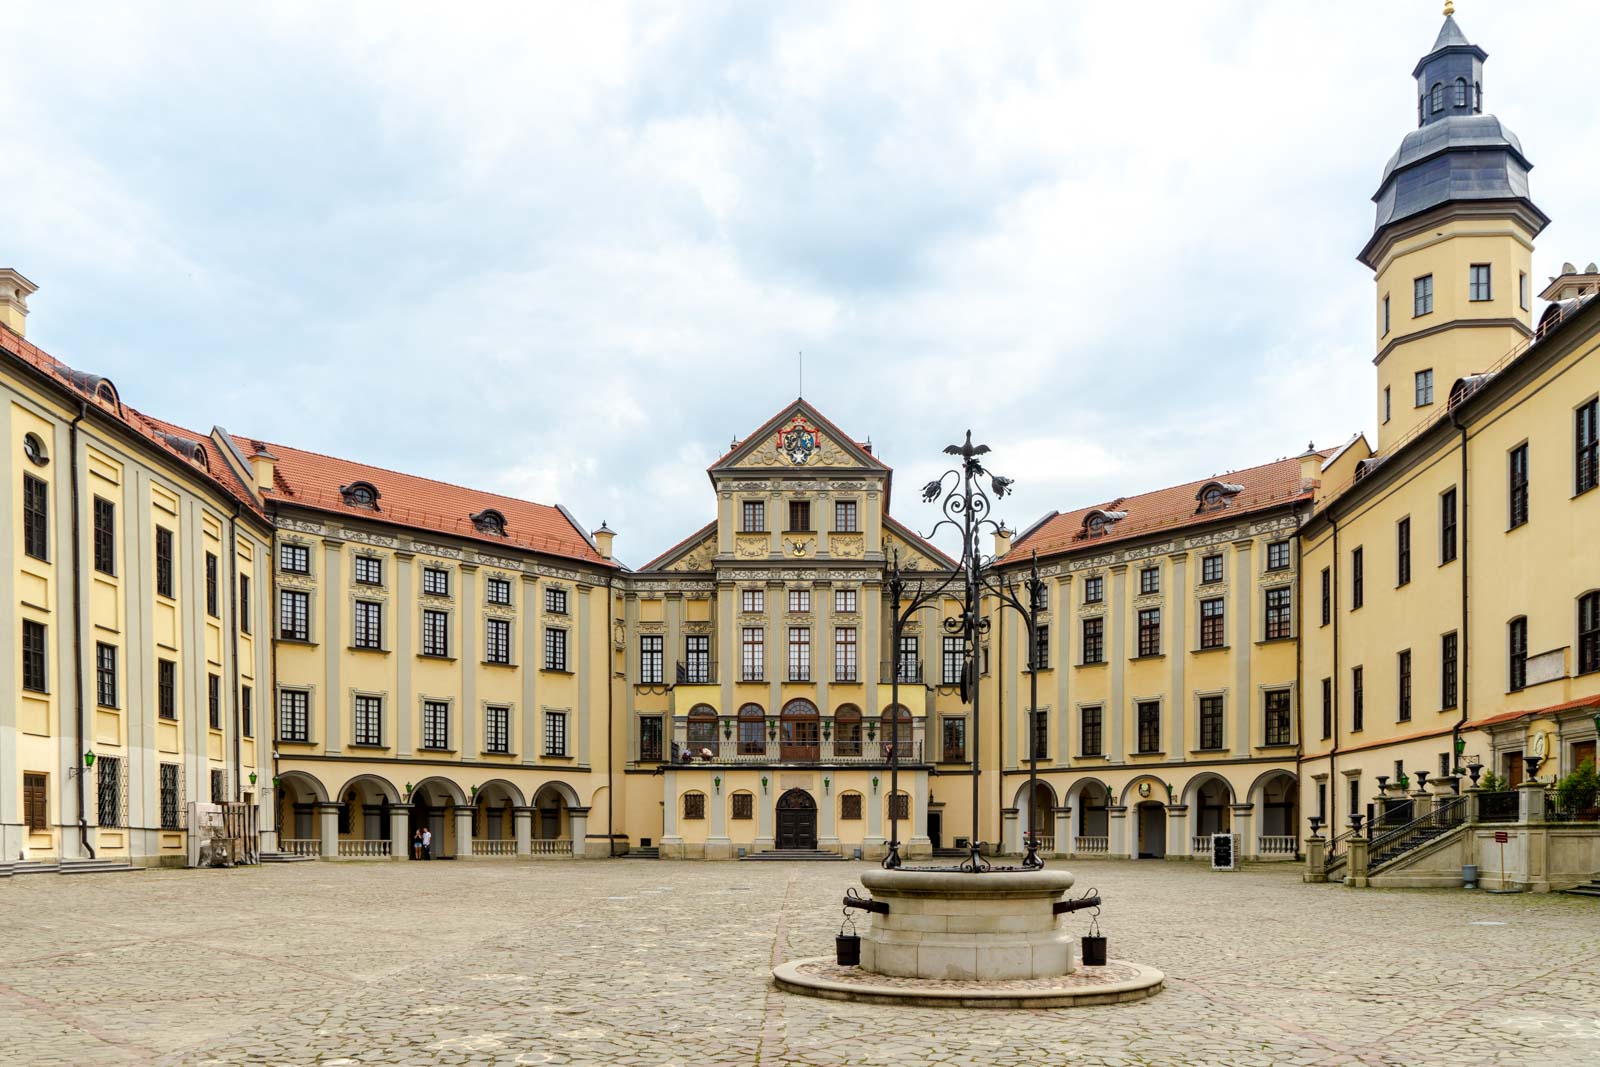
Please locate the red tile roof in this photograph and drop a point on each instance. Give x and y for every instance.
(1271, 485)
(312, 480)
(1583, 703)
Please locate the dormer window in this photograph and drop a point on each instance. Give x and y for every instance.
(360, 495)
(198, 455)
(1214, 496)
(489, 521)
(1100, 520)
(1436, 98)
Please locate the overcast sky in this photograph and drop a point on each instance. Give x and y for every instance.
(569, 251)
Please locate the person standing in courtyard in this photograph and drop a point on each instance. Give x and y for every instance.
(427, 843)
(416, 845)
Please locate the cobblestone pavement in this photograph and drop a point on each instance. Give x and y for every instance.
(641, 963)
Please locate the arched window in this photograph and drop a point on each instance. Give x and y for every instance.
(360, 494)
(1461, 92)
(799, 731)
(702, 733)
(34, 449)
(1589, 632)
(847, 731)
(489, 521)
(1436, 98)
(896, 730)
(752, 731)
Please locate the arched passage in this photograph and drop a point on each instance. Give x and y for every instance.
(1037, 809)
(299, 794)
(432, 800)
(494, 804)
(364, 805)
(1090, 800)
(1275, 796)
(1210, 801)
(552, 814)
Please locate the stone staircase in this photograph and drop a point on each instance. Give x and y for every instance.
(802, 854)
(96, 867)
(286, 857)
(1393, 852)
(1590, 888)
(651, 853)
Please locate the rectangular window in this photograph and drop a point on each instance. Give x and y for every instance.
(1327, 595)
(1094, 589)
(294, 615)
(1327, 708)
(754, 517)
(799, 516)
(844, 654)
(744, 805)
(799, 600)
(1211, 622)
(1211, 723)
(953, 660)
(1447, 526)
(294, 715)
(105, 536)
(1149, 580)
(1517, 476)
(1278, 556)
(171, 796)
(753, 600)
(108, 790)
(1517, 652)
(435, 633)
(164, 562)
(555, 649)
(1449, 683)
(105, 675)
(368, 624)
(651, 657)
(850, 807)
(1586, 445)
(36, 517)
(844, 601)
(33, 656)
(954, 736)
(555, 733)
(1277, 717)
(497, 729)
(497, 641)
(1211, 569)
(1149, 716)
(295, 559)
(697, 659)
(1522, 289)
(247, 711)
(694, 806)
(219, 788)
(1422, 296)
(651, 738)
(1280, 616)
(166, 689)
(1039, 735)
(555, 601)
(1385, 315)
(910, 661)
(1150, 632)
(214, 700)
(1358, 592)
(754, 647)
(1388, 404)
(1089, 732)
(1402, 551)
(1094, 641)
(1423, 387)
(1589, 633)
(369, 570)
(36, 801)
(1041, 648)
(1358, 709)
(899, 806)
(213, 608)
(244, 604)
(497, 591)
(435, 725)
(844, 516)
(1478, 287)
(1403, 699)
(435, 581)
(369, 720)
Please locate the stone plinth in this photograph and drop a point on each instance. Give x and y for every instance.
(959, 926)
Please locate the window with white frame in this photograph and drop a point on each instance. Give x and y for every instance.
(752, 600)
(844, 517)
(844, 654)
(844, 601)
(799, 654)
(799, 600)
(753, 642)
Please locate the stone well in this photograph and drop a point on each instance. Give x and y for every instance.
(964, 926)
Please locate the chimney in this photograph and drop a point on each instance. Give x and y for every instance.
(603, 538)
(264, 466)
(14, 293)
(1002, 540)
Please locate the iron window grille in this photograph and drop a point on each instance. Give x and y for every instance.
(1358, 709)
(694, 806)
(435, 581)
(33, 656)
(497, 729)
(651, 657)
(1448, 677)
(1447, 526)
(214, 700)
(954, 660)
(105, 536)
(555, 601)
(1279, 721)
(1586, 443)
(213, 601)
(35, 517)
(110, 792)
(744, 806)
(1094, 641)
(1518, 489)
(1150, 632)
(844, 601)
(844, 654)
(1404, 696)
(844, 516)
(294, 615)
(1210, 569)
(369, 720)
(850, 807)
(555, 649)
(1089, 728)
(294, 715)
(1212, 622)
(900, 806)
(1278, 556)
(1210, 723)
(555, 733)
(497, 591)
(294, 559)
(799, 654)
(172, 813)
(1149, 715)
(753, 647)
(435, 633)
(651, 737)
(1149, 580)
(1517, 638)
(435, 725)
(105, 675)
(497, 641)
(368, 624)
(1280, 614)
(369, 570)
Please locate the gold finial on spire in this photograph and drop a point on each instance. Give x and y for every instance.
(1449, 8)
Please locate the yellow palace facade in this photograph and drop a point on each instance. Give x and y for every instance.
(354, 659)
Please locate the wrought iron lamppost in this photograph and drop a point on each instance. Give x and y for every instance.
(1006, 591)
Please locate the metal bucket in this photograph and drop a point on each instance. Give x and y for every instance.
(1094, 945)
(847, 949)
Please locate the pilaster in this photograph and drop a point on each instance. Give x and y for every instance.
(1116, 713)
(1178, 656)
(1244, 598)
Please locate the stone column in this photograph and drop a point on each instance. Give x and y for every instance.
(1356, 874)
(328, 820)
(1241, 826)
(718, 846)
(872, 844)
(764, 815)
(1180, 842)
(671, 843)
(463, 815)
(1117, 816)
(578, 827)
(522, 825)
(1010, 832)
(1421, 803)
(399, 832)
(917, 836)
(1063, 831)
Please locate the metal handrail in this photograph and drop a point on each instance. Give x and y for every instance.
(1389, 844)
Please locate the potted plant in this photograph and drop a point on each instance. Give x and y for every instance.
(1493, 783)
(1579, 791)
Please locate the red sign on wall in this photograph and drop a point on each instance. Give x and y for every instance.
(1501, 837)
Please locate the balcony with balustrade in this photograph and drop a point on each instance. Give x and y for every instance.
(791, 739)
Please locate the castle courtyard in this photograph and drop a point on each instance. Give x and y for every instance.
(654, 963)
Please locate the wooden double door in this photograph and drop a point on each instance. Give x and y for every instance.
(797, 820)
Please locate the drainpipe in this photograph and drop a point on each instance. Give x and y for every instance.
(1464, 644)
(611, 708)
(77, 627)
(233, 622)
(1333, 611)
